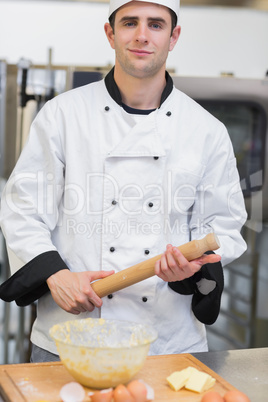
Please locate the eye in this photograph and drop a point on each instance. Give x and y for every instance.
(130, 23)
(155, 25)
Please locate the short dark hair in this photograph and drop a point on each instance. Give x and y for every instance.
(174, 19)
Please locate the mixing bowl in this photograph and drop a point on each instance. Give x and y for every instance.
(102, 353)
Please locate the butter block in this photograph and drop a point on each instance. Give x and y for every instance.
(210, 384)
(178, 379)
(199, 382)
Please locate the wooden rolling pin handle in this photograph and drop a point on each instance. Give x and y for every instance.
(139, 272)
(196, 248)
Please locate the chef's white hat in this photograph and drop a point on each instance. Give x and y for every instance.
(172, 4)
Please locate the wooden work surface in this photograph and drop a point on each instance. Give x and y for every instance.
(34, 382)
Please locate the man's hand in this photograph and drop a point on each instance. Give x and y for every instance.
(173, 266)
(72, 290)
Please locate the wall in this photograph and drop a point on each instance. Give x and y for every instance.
(213, 40)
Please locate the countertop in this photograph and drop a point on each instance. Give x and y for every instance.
(245, 369)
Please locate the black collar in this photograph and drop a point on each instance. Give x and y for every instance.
(114, 92)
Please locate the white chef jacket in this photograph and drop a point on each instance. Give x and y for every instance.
(106, 190)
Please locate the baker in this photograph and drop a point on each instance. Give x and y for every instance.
(116, 172)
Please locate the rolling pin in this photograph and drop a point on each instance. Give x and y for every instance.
(143, 270)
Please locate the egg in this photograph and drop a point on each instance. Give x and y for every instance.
(150, 391)
(138, 391)
(72, 392)
(105, 395)
(236, 396)
(212, 396)
(121, 394)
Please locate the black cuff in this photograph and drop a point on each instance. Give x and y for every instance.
(29, 283)
(185, 287)
(206, 308)
(188, 285)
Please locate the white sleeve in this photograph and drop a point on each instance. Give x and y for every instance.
(219, 205)
(29, 205)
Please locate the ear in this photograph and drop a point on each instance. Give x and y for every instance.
(109, 33)
(174, 37)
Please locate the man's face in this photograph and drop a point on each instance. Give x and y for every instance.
(141, 38)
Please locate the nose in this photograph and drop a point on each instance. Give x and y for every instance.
(142, 33)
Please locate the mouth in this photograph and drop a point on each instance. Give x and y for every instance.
(140, 52)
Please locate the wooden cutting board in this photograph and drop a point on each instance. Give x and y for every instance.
(34, 382)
